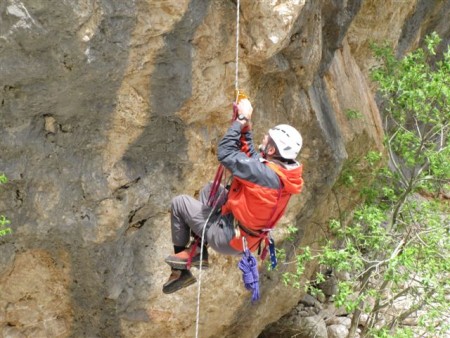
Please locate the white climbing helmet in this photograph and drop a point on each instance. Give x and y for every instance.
(287, 139)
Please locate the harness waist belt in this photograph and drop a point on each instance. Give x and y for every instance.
(250, 232)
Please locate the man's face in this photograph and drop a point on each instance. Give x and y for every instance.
(266, 146)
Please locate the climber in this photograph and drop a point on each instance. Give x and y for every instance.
(261, 186)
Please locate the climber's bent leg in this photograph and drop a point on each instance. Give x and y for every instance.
(221, 194)
(187, 214)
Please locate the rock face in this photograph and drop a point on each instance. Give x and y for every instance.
(110, 108)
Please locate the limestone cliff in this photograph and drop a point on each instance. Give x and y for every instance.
(110, 108)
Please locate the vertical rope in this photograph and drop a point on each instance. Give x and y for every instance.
(214, 208)
(236, 78)
(197, 320)
(236, 87)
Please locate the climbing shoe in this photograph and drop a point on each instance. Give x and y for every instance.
(179, 260)
(178, 279)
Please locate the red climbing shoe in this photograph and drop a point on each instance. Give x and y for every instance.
(178, 279)
(179, 260)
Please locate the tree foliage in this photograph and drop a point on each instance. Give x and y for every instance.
(395, 245)
(4, 229)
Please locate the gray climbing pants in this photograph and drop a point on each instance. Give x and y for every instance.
(189, 214)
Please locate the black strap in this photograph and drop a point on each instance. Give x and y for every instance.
(250, 232)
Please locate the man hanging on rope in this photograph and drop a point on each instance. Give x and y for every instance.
(261, 186)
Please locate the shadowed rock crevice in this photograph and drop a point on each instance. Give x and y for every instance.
(338, 16)
(428, 17)
(163, 139)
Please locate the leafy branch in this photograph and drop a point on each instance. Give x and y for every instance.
(4, 229)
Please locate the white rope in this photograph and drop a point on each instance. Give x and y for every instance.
(197, 320)
(236, 87)
(236, 78)
(214, 208)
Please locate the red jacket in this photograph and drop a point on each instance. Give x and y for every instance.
(255, 198)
